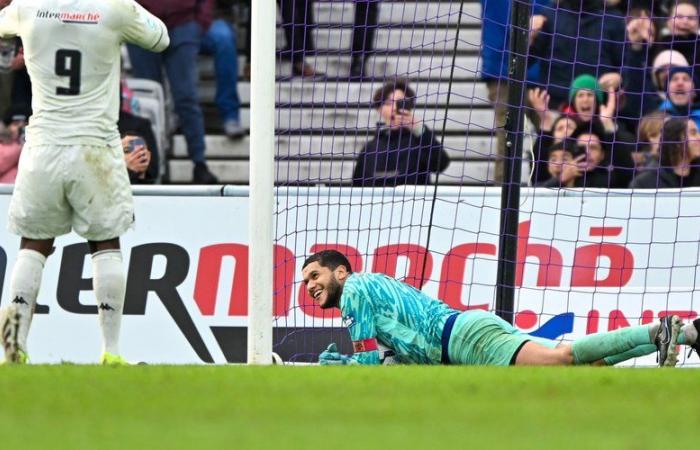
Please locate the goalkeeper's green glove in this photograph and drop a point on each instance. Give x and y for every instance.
(331, 357)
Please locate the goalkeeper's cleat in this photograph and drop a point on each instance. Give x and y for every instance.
(667, 341)
(696, 346)
(9, 331)
(109, 359)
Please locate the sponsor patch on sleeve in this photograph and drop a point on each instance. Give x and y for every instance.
(365, 345)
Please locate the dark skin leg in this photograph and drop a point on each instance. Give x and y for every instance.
(45, 246)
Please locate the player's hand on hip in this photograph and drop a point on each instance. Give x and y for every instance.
(331, 357)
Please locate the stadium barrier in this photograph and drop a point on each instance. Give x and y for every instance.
(606, 260)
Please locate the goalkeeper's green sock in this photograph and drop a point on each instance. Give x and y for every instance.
(595, 347)
(640, 350)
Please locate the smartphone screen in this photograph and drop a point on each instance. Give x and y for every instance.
(137, 142)
(581, 150)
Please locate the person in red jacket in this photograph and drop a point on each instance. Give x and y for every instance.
(186, 20)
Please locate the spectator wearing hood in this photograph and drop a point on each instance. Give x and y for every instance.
(663, 62)
(680, 94)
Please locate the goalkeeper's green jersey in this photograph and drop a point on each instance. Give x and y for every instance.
(375, 306)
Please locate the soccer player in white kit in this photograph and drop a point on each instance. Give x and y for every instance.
(72, 173)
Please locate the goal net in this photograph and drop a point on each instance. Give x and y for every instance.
(390, 147)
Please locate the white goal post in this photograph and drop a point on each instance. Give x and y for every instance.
(262, 150)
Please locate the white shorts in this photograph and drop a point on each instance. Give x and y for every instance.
(59, 188)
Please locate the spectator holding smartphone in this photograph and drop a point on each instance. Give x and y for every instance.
(137, 158)
(133, 125)
(564, 169)
(404, 151)
(592, 156)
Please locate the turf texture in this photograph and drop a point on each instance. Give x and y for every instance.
(396, 407)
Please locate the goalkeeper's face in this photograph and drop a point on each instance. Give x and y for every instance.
(324, 285)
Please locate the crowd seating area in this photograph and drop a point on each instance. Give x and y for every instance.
(629, 68)
(323, 123)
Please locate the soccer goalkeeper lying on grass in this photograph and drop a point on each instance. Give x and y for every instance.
(379, 310)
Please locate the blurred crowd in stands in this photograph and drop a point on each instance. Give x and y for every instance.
(195, 27)
(611, 91)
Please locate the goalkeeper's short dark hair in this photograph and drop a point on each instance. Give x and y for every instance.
(329, 258)
(382, 94)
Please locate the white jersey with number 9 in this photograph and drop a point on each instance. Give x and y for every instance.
(71, 173)
(72, 53)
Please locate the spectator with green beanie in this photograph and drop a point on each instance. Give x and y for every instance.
(590, 107)
(586, 100)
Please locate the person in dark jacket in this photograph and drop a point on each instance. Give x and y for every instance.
(678, 151)
(186, 21)
(563, 168)
(683, 27)
(562, 128)
(592, 156)
(575, 37)
(404, 151)
(641, 96)
(135, 126)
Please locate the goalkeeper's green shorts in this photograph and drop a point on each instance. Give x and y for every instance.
(483, 338)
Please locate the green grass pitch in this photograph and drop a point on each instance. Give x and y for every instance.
(358, 408)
